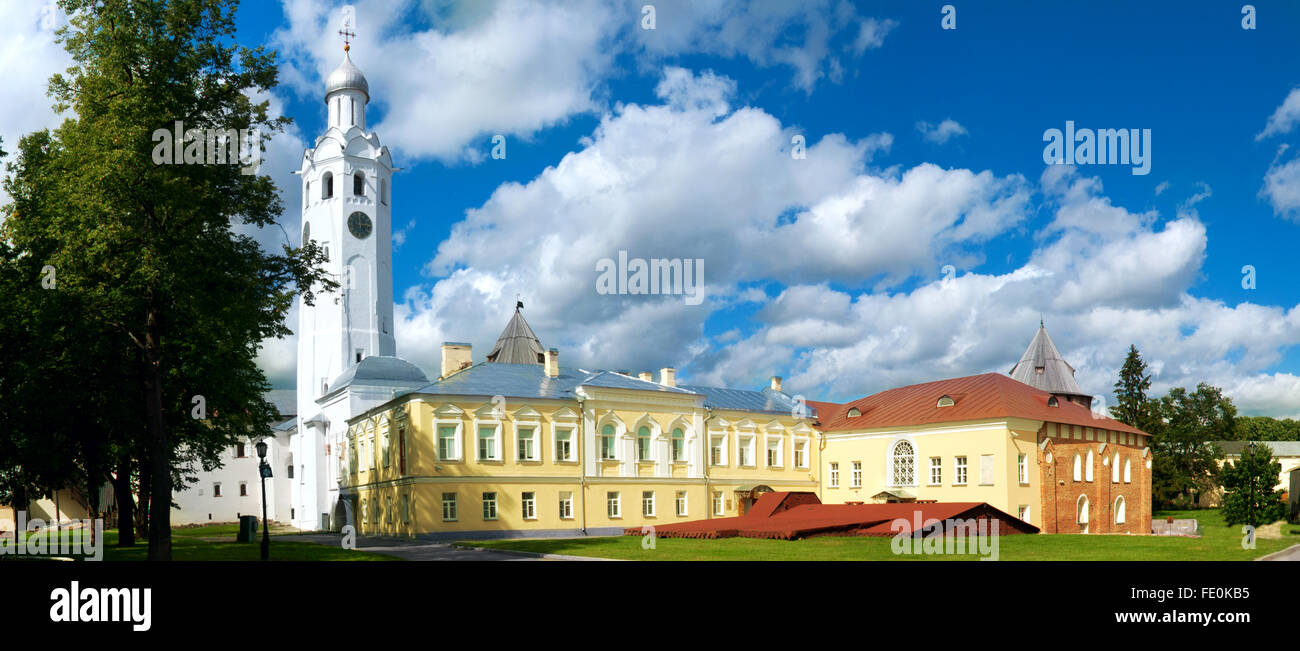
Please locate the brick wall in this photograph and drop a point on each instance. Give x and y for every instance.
(1061, 493)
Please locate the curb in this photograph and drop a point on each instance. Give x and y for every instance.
(542, 555)
(1269, 557)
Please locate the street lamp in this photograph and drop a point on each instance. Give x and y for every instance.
(1252, 485)
(264, 469)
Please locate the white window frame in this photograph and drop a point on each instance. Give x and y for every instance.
(647, 504)
(673, 451)
(558, 429)
(721, 436)
(1078, 467)
(936, 471)
(1022, 468)
(648, 454)
(454, 502)
(745, 444)
(1128, 471)
(613, 505)
(780, 451)
(613, 442)
(528, 504)
(960, 471)
(496, 506)
(1087, 467)
(566, 505)
(1121, 510)
(450, 416)
(855, 480)
(801, 450)
(833, 474)
(533, 439)
(988, 470)
(891, 476)
(719, 503)
(680, 504)
(1114, 469)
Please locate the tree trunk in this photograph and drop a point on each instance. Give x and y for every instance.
(160, 485)
(142, 504)
(125, 504)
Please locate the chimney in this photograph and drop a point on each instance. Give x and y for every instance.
(668, 376)
(455, 356)
(647, 376)
(552, 363)
(776, 382)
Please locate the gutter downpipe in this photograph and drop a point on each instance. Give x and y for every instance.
(708, 445)
(582, 462)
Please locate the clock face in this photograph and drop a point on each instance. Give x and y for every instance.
(359, 225)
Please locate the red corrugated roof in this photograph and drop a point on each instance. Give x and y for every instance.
(800, 515)
(976, 397)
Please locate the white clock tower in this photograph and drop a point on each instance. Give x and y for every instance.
(346, 181)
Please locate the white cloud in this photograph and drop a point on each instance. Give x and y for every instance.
(1282, 188)
(29, 56)
(871, 34)
(942, 132)
(1284, 118)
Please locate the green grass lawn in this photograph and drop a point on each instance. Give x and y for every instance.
(217, 543)
(1218, 542)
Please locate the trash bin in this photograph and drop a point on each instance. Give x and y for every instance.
(247, 529)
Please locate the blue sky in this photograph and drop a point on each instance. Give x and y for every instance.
(828, 270)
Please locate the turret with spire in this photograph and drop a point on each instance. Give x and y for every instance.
(517, 343)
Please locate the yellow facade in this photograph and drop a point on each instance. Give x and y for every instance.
(989, 461)
(428, 465)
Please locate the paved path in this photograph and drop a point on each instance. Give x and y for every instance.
(411, 550)
(1291, 553)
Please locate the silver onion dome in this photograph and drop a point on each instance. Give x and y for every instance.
(347, 77)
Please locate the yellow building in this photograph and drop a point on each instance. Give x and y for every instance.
(518, 445)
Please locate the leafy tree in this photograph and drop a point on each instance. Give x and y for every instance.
(148, 251)
(1263, 428)
(1185, 460)
(1250, 492)
(1133, 407)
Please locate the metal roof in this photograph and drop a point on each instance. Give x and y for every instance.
(531, 381)
(767, 400)
(1279, 448)
(517, 343)
(1042, 367)
(380, 370)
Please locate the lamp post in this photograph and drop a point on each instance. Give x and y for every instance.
(264, 469)
(1252, 486)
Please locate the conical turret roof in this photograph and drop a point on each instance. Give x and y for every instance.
(517, 343)
(1043, 368)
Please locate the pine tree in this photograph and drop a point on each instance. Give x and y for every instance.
(1133, 407)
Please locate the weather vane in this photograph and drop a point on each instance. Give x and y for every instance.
(347, 35)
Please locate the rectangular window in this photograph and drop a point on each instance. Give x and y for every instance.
(648, 503)
(613, 508)
(800, 454)
(773, 453)
(607, 447)
(835, 475)
(529, 502)
(566, 506)
(1022, 466)
(959, 471)
(216, 489)
(936, 471)
(243, 489)
(681, 503)
(487, 443)
(489, 506)
(449, 507)
(1023, 513)
(857, 474)
(716, 449)
(564, 445)
(717, 502)
(240, 452)
(527, 449)
(746, 451)
(642, 448)
(986, 470)
(447, 448)
(678, 447)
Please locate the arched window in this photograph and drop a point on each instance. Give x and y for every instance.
(854, 412)
(607, 442)
(306, 233)
(1053, 402)
(945, 401)
(359, 184)
(327, 186)
(1119, 510)
(1078, 468)
(679, 444)
(1081, 513)
(1087, 467)
(1114, 469)
(643, 444)
(1128, 471)
(904, 464)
